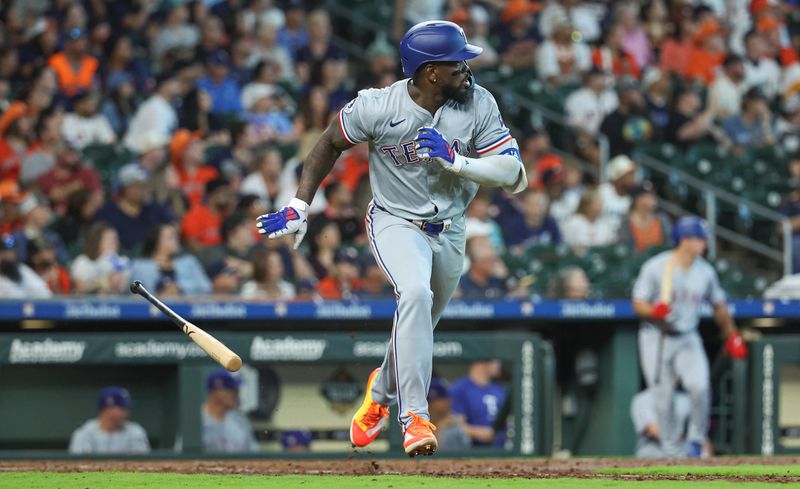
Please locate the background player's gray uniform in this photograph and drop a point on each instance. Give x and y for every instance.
(231, 435)
(424, 269)
(645, 410)
(672, 351)
(89, 438)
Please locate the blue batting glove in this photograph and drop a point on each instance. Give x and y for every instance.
(430, 144)
(292, 219)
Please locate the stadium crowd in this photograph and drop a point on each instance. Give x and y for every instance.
(142, 138)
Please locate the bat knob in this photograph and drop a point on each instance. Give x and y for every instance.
(136, 286)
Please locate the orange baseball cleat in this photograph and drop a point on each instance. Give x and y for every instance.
(419, 439)
(370, 418)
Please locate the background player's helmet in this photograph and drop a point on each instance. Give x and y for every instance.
(433, 41)
(689, 227)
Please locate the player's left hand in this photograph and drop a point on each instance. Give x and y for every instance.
(430, 143)
(735, 347)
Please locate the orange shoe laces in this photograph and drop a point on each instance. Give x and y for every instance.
(416, 421)
(374, 413)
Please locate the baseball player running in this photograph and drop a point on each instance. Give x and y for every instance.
(668, 295)
(434, 138)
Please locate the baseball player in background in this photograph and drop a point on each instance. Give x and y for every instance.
(434, 138)
(668, 295)
(111, 431)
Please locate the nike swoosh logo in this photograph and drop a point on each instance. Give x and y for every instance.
(393, 123)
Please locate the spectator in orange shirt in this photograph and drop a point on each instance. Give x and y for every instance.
(611, 56)
(10, 199)
(677, 49)
(200, 226)
(187, 153)
(14, 142)
(74, 68)
(344, 282)
(708, 54)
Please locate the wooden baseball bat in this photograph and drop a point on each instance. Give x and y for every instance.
(215, 348)
(665, 295)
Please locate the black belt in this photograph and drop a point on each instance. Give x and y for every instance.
(429, 227)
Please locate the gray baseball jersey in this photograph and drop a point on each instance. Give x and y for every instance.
(233, 434)
(690, 289)
(423, 268)
(89, 438)
(402, 183)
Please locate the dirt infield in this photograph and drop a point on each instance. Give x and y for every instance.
(435, 467)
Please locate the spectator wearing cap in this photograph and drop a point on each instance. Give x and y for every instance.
(645, 226)
(535, 226)
(200, 226)
(759, 69)
(753, 126)
(344, 282)
(187, 155)
(17, 280)
(268, 281)
(229, 264)
(728, 87)
(690, 123)
(111, 432)
(657, 85)
(167, 271)
(708, 54)
(519, 36)
(225, 428)
(85, 126)
(588, 227)
(449, 428)
(100, 269)
(611, 56)
(36, 216)
(132, 214)
(41, 154)
(586, 107)
(629, 123)
(560, 60)
(156, 114)
(477, 399)
(266, 112)
(74, 68)
(67, 177)
(620, 180)
(225, 93)
(485, 279)
(296, 441)
(175, 32)
(41, 258)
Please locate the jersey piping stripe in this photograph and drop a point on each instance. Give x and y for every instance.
(374, 245)
(344, 129)
(496, 144)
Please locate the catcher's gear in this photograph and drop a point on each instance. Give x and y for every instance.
(291, 219)
(434, 41)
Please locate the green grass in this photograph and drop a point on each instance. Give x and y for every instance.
(718, 470)
(137, 480)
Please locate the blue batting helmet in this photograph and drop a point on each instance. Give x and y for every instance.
(434, 41)
(689, 227)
